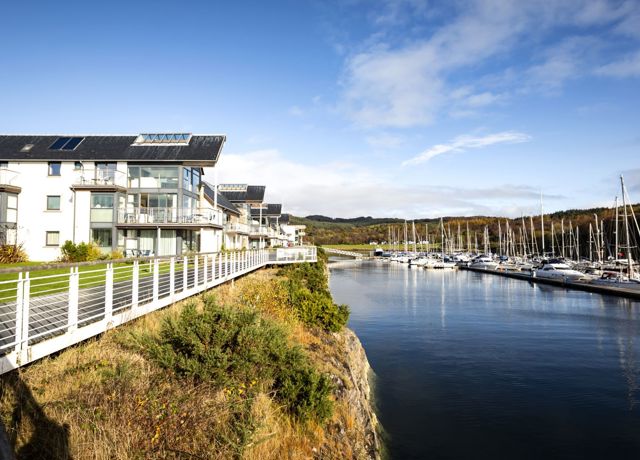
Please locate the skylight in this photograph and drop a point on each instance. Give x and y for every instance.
(66, 143)
(162, 138)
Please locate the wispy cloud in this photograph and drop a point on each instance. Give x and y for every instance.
(629, 66)
(411, 82)
(466, 142)
(348, 190)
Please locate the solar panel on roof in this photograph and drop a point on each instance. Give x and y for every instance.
(73, 143)
(57, 145)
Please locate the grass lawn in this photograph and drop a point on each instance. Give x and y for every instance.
(54, 280)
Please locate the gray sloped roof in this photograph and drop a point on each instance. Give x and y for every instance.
(271, 210)
(223, 202)
(203, 150)
(253, 194)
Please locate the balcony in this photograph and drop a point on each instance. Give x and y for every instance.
(236, 227)
(257, 230)
(168, 216)
(100, 179)
(9, 181)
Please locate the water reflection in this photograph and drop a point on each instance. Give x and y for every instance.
(476, 366)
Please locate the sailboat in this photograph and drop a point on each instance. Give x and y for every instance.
(617, 277)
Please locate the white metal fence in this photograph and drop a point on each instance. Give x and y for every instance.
(45, 311)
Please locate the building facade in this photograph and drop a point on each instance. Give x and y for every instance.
(139, 194)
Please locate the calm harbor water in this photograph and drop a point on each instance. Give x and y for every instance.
(471, 365)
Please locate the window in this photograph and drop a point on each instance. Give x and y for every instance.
(153, 177)
(106, 172)
(66, 143)
(77, 165)
(195, 180)
(53, 238)
(12, 208)
(101, 207)
(168, 138)
(103, 237)
(186, 179)
(4, 165)
(54, 168)
(53, 202)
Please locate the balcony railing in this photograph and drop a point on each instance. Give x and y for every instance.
(236, 227)
(142, 215)
(101, 177)
(258, 230)
(8, 177)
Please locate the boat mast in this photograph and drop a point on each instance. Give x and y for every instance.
(615, 231)
(442, 238)
(542, 222)
(626, 229)
(413, 231)
(562, 232)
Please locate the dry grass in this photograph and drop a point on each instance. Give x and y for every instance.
(102, 400)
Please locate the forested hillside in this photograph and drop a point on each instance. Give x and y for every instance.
(324, 230)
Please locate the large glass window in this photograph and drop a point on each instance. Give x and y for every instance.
(53, 202)
(101, 207)
(153, 177)
(54, 168)
(195, 180)
(106, 172)
(186, 179)
(103, 237)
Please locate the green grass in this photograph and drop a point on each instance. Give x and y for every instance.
(90, 276)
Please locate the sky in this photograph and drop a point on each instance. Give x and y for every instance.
(388, 108)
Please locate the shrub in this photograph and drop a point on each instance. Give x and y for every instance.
(12, 254)
(236, 347)
(310, 297)
(81, 252)
(116, 255)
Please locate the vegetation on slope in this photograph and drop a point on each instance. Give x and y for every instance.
(245, 372)
(323, 230)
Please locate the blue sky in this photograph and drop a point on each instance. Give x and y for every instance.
(401, 108)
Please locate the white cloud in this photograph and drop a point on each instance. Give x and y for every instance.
(629, 66)
(466, 142)
(348, 190)
(407, 83)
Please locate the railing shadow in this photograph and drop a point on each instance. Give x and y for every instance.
(49, 440)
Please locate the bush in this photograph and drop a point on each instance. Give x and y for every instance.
(12, 254)
(236, 347)
(81, 252)
(310, 297)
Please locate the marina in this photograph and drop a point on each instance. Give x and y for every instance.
(470, 364)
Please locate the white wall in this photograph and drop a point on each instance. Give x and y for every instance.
(33, 218)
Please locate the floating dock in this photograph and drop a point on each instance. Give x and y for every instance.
(580, 285)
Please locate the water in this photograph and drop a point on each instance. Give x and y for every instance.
(471, 365)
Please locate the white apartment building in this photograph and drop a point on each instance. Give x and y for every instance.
(140, 194)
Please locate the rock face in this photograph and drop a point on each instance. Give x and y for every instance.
(355, 432)
(359, 394)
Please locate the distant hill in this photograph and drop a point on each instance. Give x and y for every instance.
(362, 230)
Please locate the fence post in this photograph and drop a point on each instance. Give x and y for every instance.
(185, 272)
(24, 330)
(219, 265)
(172, 277)
(108, 294)
(20, 315)
(156, 279)
(74, 292)
(195, 271)
(135, 284)
(205, 266)
(226, 265)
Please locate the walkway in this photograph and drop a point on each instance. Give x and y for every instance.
(40, 315)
